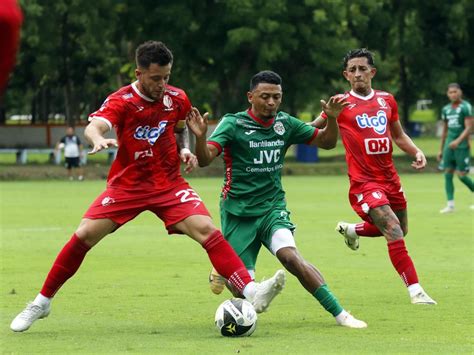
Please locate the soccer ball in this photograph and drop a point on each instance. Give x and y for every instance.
(236, 318)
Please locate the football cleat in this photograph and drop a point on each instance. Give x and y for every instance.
(350, 322)
(267, 290)
(216, 282)
(28, 316)
(422, 298)
(447, 209)
(352, 242)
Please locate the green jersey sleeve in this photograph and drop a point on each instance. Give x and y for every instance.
(301, 132)
(467, 108)
(443, 113)
(224, 132)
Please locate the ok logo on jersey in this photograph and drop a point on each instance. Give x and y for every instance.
(150, 134)
(377, 145)
(378, 123)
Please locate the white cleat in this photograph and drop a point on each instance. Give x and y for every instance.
(28, 316)
(350, 322)
(216, 282)
(422, 298)
(447, 209)
(267, 290)
(351, 241)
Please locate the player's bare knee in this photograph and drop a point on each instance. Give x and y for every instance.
(291, 259)
(206, 229)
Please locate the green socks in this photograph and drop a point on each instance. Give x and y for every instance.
(449, 186)
(466, 180)
(327, 300)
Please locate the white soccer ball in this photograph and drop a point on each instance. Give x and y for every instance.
(236, 318)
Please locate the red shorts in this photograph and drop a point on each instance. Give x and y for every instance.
(367, 195)
(171, 206)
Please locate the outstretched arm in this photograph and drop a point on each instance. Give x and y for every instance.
(319, 122)
(405, 143)
(198, 125)
(94, 133)
(327, 137)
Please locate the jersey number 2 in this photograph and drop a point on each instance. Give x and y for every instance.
(188, 195)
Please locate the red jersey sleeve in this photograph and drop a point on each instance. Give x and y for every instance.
(393, 104)
(111, 112)
(186, 105)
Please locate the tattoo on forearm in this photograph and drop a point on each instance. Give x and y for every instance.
(182, 138)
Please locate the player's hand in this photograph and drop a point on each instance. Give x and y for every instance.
(439, 156)
(334, 106)
(189, 159)
(197, 123)
(453, 145)
(103, 144)
(420, 161)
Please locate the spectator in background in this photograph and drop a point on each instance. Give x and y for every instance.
(72, 153)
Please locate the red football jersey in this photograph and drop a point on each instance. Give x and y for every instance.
(147, 156)
(365, 132)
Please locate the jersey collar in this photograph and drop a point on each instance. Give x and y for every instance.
(144, 97)
(260, 121)
(365, 98)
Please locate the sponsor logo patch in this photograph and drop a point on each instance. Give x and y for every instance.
(378, 122)
(151, 134)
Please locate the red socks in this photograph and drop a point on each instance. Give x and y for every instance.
(402, 262)
(65, 266)
(366, 229)
(225, 260)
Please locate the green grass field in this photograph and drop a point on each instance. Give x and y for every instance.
(143, 291)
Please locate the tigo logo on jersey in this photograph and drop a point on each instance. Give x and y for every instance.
(377, 123)
(150, 134)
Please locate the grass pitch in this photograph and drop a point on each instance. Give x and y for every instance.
(143, 291)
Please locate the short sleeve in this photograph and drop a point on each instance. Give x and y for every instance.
(467, 109)
(443, 114)
(63, 140)
(185, 107)
(111, 112)
(78, 140)
(223, 133)
(393, 104)
(301, 132)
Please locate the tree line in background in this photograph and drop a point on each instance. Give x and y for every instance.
(75, 52)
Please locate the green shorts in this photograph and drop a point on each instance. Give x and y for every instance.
(247, 234)
(456, 159)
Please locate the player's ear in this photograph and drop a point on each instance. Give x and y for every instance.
(138, 73)
(373, 70)
(344, 73)
(249, 96)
